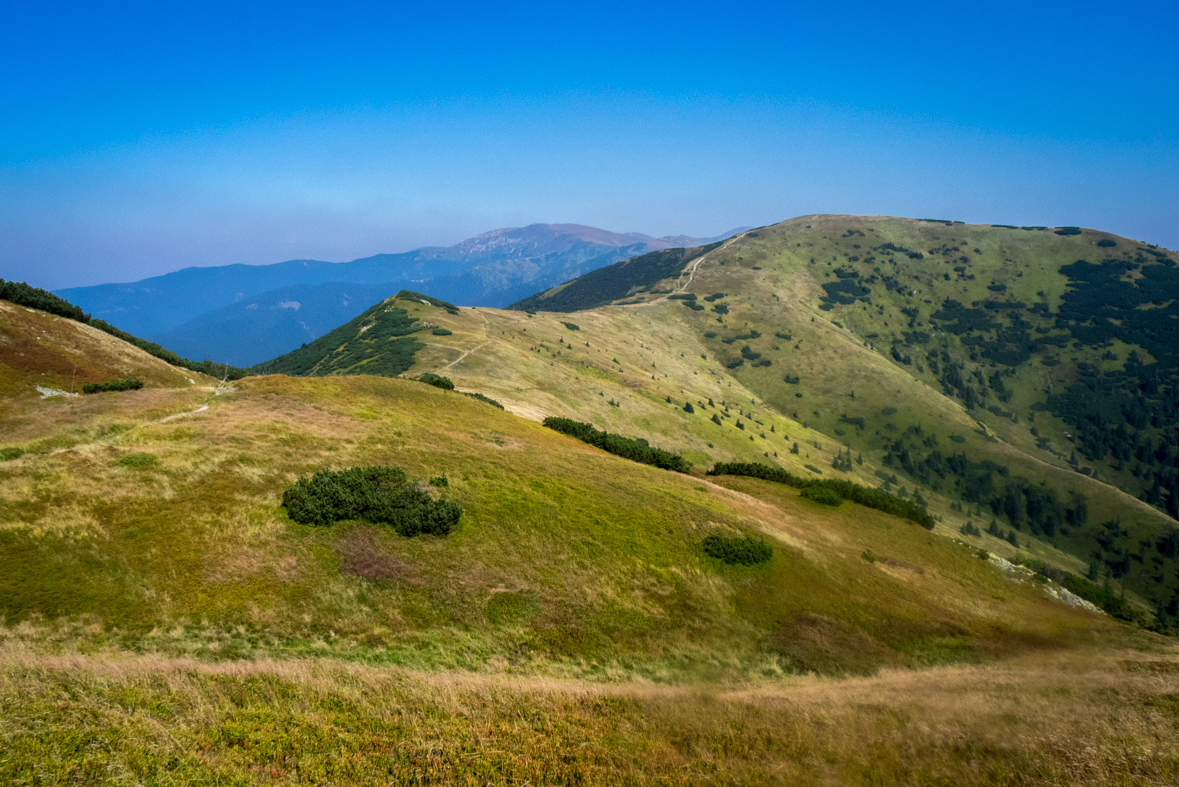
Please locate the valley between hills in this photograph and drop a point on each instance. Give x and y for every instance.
(998, 608)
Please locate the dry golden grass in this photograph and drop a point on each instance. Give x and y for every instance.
(1078, 719)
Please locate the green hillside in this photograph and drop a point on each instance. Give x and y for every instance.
(954, 384)
(635, 276)
(165, 618)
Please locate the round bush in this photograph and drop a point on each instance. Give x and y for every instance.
(381, 495)
(821, 494)
(737, 551)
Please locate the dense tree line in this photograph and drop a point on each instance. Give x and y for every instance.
(22, 294)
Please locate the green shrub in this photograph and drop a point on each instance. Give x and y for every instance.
(738, 551)
(440, 480)
(139, 460)
(440, 331)
(437, 380)
(8, 454)
(380, 495)
(847, 490)
(628, 448)
(822, 494)
(127, 384)
(482, 398)
(1095, 594)
(571, 326)
(1069, 231)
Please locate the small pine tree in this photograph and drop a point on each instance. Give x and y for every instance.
(716, 419)
(688, 408)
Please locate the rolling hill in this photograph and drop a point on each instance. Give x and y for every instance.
(949, 378)
(245, 314)
(164, 617)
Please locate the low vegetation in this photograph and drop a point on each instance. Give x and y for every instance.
(125, 384)
(830, 492)
(382, 495)
(635, 450)
(746, 551)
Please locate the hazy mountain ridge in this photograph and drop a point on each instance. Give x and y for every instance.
(208, 310)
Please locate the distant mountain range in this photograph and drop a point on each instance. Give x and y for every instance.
(244, 314)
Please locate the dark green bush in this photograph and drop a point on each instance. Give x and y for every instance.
(1095, 594)
(628, 448)
(380, 495)
(1069, 231)
(571, 326)
(441, 332)
(821, 494)
(437, 380)
(482, 398)
(127, 384)
(738, 551)
(1106, 243)
(8, 454)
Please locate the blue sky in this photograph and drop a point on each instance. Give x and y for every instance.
(138, 139)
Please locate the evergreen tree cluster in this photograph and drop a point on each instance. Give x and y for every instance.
(381, 495)
(126, 384)
(22, 294)
(745, 551)
(628, 448)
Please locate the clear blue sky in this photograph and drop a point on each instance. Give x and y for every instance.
(135, 140)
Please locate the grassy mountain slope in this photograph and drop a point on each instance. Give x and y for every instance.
(563, 552)
(772, 347)
(163, 619)
(40, 349)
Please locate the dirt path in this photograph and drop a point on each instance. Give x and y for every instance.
(468, 352)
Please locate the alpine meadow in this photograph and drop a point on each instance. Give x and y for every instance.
(839, 500)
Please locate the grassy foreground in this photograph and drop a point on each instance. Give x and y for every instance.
(1078, 719)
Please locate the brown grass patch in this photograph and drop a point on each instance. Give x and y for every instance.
(362, 554)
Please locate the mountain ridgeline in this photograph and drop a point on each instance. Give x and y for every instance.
(245, 314)
(614, 282)
(1021, 374)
